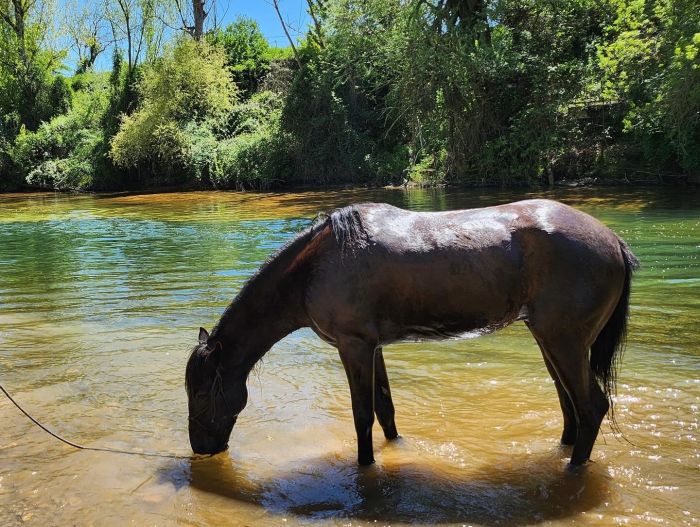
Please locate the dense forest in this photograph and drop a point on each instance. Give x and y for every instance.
(475, 92)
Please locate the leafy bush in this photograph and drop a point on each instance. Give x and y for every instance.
(62, 174)
(650, 62)
(256, 153)
(200, 153)
(183, 90)
(262, 110)
(10, 179)
(62, 153)
(244, 162)
(389, 166)
(59, 96)
(326, 143)
(427, 171)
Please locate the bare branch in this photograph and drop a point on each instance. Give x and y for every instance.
(275, 3)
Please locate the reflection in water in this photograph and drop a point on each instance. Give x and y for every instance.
(100, 301)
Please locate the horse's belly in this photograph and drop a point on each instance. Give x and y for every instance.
(423, 334)
(446, 327)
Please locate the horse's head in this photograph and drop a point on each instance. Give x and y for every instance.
(216, 395)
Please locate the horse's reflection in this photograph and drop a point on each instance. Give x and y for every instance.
(523, 490)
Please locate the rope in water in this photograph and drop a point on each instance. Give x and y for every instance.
(82, 447)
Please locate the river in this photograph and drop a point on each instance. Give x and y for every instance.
(101, 298)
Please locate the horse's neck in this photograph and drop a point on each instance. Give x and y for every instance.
(267, 310)
(251, 343)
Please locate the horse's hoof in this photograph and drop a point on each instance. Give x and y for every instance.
(576, 468)
(391, 436)
(365, 462)
(566, 446)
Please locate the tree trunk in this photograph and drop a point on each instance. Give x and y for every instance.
(199, 16)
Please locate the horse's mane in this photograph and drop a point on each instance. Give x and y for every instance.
(348, 229)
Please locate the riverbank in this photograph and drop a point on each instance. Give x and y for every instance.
(636, 180)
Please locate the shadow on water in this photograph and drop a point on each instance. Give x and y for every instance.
(520, 491)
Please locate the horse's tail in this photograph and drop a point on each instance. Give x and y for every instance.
(607, 350)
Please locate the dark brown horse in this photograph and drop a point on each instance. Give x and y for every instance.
(373, 274)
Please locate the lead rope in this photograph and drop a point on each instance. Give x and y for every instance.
(82, 447)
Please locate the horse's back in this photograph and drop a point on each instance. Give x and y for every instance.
(427, 232)
(473, 230)
(418, 274)
(446, 273)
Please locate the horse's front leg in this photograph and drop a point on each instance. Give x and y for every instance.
(383, 405)
(358, 359)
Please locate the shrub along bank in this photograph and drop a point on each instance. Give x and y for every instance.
(380, 92)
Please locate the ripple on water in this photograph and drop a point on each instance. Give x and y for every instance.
(100, 300)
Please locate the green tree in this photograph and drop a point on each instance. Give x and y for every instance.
(650, 63)
(246, 53)
(26, 64)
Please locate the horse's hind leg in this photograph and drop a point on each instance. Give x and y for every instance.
(570, 431)
(568, 435)
(358, 359)
(569, 359)
(383, 405)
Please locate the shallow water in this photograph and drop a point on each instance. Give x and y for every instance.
(100, 301)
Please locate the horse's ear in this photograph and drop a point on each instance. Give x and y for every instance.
(203, 336)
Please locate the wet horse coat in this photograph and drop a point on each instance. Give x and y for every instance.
(373, 274)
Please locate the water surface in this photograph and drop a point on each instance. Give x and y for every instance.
(100, 301)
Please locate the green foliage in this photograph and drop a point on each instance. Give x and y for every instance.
(10, 178)
(256, 113)
(253, 155)
(198, 153)
(62, 174)
(247, 52)
(487, 92)
(426, 172)
(324, 146)
(189, 130)
(183, 88)
(389, 164)
(247, 161)
(27, 67)
(650, 62)
(273, 54)
(59, 96)
(62, 153)
(187, 84)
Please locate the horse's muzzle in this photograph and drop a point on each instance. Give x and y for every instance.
(207, 445)
(203, 442)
